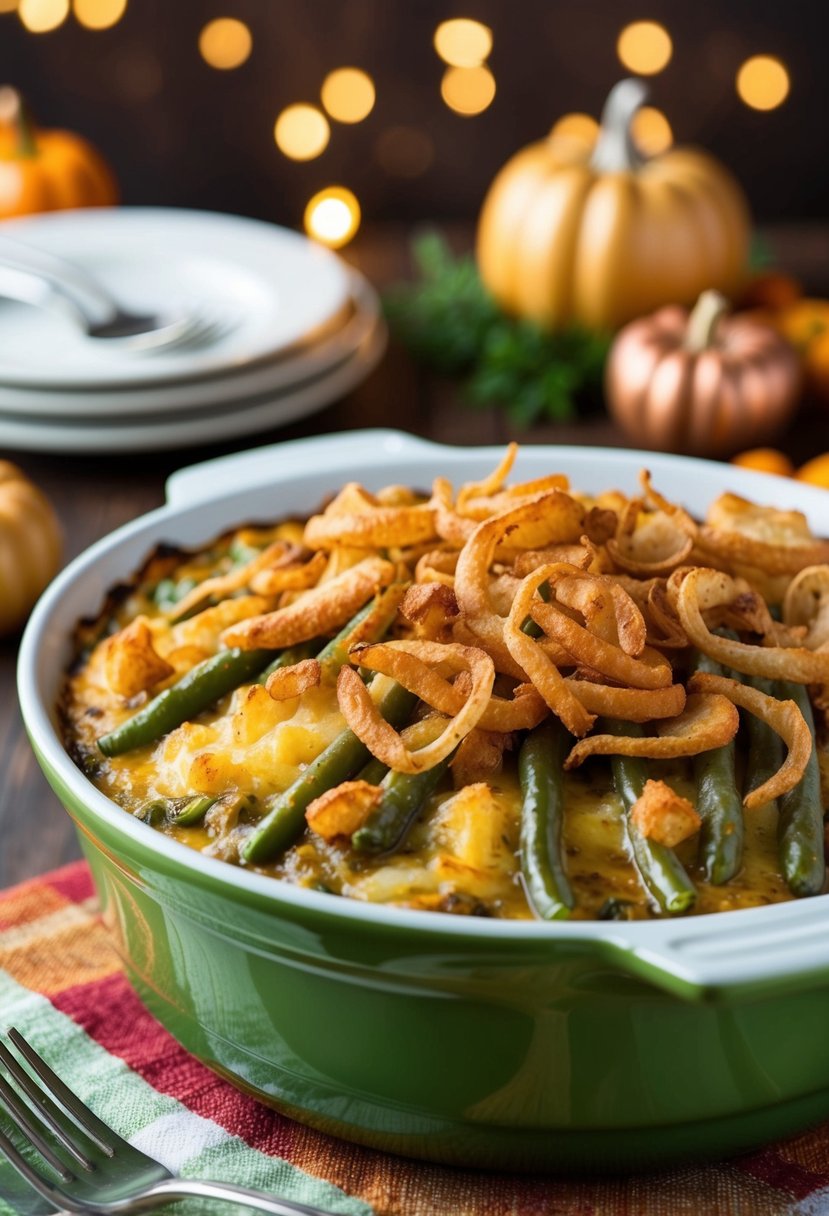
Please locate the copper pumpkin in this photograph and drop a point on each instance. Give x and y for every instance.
(702, 384)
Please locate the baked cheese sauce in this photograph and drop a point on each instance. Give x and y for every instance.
(462, 853)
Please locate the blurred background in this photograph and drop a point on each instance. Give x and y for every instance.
(193, 102)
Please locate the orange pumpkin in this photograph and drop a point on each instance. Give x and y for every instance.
(47, 170)
(30, 545)
(806, 325)
(596, 236)
(704, 384)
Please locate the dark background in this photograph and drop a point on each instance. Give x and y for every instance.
(179, 132)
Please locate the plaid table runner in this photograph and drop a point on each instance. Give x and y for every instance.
(62, 985)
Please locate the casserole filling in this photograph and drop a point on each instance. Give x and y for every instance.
(513, 701)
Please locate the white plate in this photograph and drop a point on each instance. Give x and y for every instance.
(269, 288)
(275, 376)
(242, 417)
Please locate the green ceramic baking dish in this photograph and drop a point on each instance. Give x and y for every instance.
(488, 1043)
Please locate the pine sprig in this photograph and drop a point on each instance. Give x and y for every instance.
(449, 321)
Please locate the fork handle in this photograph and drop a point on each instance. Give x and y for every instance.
(190, 1188)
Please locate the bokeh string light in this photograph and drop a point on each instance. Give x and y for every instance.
(225, 43)
(301, 131)
(763, 82)
(348, 94)
(463, 43)
(99, 14)
(42, 16)
(332, 216)
(468, 91)
(8, 6)
(644, 47)
(651, 131)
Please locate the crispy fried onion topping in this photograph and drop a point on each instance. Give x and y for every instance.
(550, 519)
(287, 682)
(650, 543)
(289, 575)
(629, 704)
(541, 669)
(131, 663)
(609, 611)
(784, 717)
(708, 720)
(343, 809)
(375, 528)
(806, 604)
(703, 589)
(223, 585)
(422, 669)
(431, 608)
(324, 609)
(664, 816)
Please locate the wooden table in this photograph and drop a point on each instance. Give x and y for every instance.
(95, 495)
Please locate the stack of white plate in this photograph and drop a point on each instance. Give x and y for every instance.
(288, 328)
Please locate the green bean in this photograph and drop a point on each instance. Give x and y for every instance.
(201, 687)
(660, 870)
(403, 796)
(168, 592)
(346, 755)
(194, 811)
(765, 747)
(370, 624)
(617, 909)
(801, 814)
(373, 772)
(541, 771)
(530, 627)
(719, 803)
(155, 813)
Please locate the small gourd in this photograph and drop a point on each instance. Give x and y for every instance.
(703, 384)
(594, 237)
(30, 545)
(47, 170)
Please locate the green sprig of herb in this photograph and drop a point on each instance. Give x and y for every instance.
(448, 320)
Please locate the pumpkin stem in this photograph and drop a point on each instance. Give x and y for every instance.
(703, 321)
(15, 113)
(615, 150)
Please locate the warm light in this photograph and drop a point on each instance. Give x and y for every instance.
(645, 47)
(8, 6)
(467, 90)
(651, 131)
(763, 82)
(40, 16)
(348, 94)
(463, 43)
(225, 43)
(302, 132)
(404, 151)
(99, 14)
(332, 216)
(578, 131)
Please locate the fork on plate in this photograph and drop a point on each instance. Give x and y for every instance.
(79, 1164)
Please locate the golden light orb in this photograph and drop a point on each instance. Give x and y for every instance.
(301, 131)
(468, 91)
(348, 94)
(651, 131)
(8, 6)
(41, 16)
(645, 47)
(225, 43)
(463, 43)
(99, 14)
(763, 82)
(332, 216)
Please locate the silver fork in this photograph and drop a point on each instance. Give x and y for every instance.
(36, 277)
(85, 1166)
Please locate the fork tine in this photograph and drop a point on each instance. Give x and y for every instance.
(100, 1135)
(45, 1108)
(32, 1176)
(19, 1112)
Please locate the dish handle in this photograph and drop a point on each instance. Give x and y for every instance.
(769, 951)
(257, 466)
